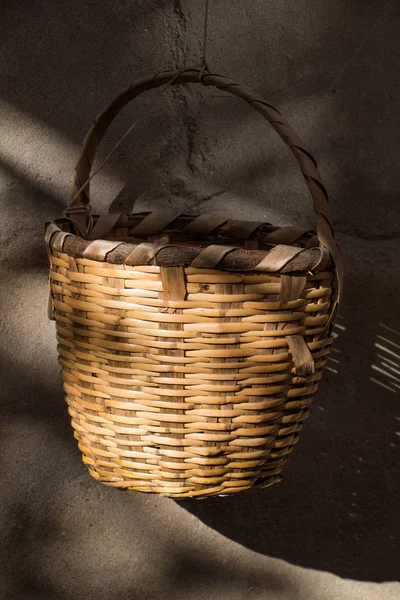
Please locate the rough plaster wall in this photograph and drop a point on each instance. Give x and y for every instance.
(332, 68)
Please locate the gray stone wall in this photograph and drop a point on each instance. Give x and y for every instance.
(333, 70)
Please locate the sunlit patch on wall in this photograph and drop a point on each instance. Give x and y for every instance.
(333, 361)
(32, 150)
(386, 366)
(332, 364)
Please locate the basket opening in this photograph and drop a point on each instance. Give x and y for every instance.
(123, 231)
(168, 239)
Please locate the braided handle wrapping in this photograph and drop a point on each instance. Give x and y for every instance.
(79, 203)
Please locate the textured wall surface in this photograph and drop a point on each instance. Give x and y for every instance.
(333, 70)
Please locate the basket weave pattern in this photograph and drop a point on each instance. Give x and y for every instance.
(190, 347)
(184, 381)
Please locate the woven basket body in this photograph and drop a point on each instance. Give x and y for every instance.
(190, 347)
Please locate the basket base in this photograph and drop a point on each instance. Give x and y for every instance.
(198, 494)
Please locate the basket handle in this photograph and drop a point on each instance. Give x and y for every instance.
(79, 204)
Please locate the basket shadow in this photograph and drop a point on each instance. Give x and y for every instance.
(338, 501)
(48, 558)
(61, 515)
(53, 512)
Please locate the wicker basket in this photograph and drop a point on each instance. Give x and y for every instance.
(190, 347)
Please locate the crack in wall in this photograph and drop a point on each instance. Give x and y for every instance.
(177, 8)
(177, 30)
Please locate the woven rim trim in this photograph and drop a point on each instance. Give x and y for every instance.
(278, 258)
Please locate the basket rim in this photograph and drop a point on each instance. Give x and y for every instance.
(233, 245)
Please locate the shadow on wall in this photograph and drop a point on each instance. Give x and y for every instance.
(105, 559)
(66, 536)
(337, 506)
